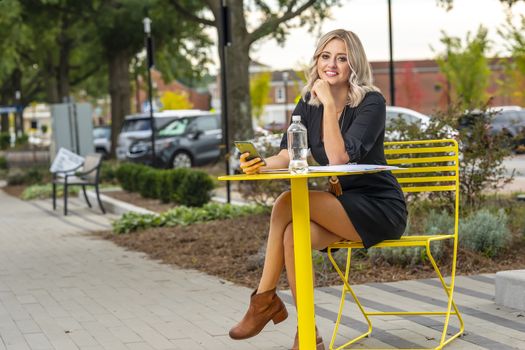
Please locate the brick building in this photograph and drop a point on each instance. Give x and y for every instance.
(419, 86)
(199, 99)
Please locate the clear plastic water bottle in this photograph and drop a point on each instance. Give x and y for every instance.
(297, 146)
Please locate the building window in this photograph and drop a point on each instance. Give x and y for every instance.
(279, 94)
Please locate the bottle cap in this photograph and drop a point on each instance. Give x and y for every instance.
(296, 118)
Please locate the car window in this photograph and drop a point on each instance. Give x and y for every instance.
(392, 117)
(175, 128)
(207, 123)
(136, 125)
(101, 133)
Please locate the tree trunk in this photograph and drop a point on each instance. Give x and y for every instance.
(237, 63)
(120, 93)
(51, 85)
(238, 79)
(63, 63)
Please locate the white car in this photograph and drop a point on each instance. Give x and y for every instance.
(410, 117)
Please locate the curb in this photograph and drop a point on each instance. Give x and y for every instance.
(117, 207)
(114, 206)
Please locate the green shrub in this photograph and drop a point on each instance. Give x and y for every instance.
(31, 176)
(183, 186)
(195, 189)
(45, 191)
(182, 215)
(147, 183)
(3, 163)
(15, 177)
(169, 182)
(22, 140)
(5, 140)
(108, 172)
(485, 232)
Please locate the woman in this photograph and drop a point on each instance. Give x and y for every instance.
(345, 119)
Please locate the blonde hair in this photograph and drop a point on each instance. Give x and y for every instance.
(360, 80)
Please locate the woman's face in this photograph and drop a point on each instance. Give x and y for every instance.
(332, 63)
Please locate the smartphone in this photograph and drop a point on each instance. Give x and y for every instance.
(249, 147)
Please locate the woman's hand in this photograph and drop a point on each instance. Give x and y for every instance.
(321, 89)
(250, 166)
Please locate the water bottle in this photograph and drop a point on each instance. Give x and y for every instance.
(297, 146)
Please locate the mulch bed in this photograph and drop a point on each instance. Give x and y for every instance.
(231, 249)
(15, 191)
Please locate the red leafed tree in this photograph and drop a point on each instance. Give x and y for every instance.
(409, 89)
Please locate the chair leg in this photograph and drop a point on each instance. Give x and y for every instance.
(449, 291)
(85, 196)
(347, 290)
(65, 198)
(99, 201)
(54, 185)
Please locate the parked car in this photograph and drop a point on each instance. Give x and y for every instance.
(102, 139)
(508, 121)
(138, 126)
(188, 140)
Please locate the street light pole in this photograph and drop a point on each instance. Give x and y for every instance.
(391, 47)
(149, 51)
(225, 41)
(285, 83)
(18, 115)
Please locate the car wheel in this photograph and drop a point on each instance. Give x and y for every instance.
(181, 160)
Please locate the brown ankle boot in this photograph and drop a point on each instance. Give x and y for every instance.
(263, 308)
(318, 341)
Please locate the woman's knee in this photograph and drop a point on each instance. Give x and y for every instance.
(282, 204)
(288, 237)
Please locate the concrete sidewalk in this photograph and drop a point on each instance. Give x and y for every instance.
(62, 288)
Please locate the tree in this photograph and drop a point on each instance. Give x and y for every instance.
(448, 4)
(514, 82)
(259, 89)
(175, 100)
(275, 21)
(466, 68)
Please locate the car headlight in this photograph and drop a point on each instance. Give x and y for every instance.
(163, 143)
(139, 147)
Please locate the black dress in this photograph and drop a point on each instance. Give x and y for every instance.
(374, 202)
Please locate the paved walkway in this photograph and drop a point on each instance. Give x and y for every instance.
(61, 288)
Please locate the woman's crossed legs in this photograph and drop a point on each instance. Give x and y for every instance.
(329, 223)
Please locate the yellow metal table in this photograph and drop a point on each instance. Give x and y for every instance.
(302, 241)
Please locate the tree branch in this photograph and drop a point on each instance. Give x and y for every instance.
(272, 24)
(192, 16)
(85, 75)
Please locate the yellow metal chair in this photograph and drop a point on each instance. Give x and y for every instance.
(428, 166)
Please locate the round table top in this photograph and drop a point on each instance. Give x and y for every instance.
(287, 175)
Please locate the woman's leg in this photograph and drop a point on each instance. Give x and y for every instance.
(329, 223)
(274, 258)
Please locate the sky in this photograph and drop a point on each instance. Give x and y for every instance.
(417, 25)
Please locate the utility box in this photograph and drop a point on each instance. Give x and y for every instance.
(72, 125)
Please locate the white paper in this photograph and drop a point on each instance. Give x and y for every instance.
(65, 160)
(350, 168)
(347, 168)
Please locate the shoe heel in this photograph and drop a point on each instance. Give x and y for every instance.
(280, 316)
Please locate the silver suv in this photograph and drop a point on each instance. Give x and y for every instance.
(138, 126)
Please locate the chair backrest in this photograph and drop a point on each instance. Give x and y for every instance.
(428, 166)
(92, 164)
